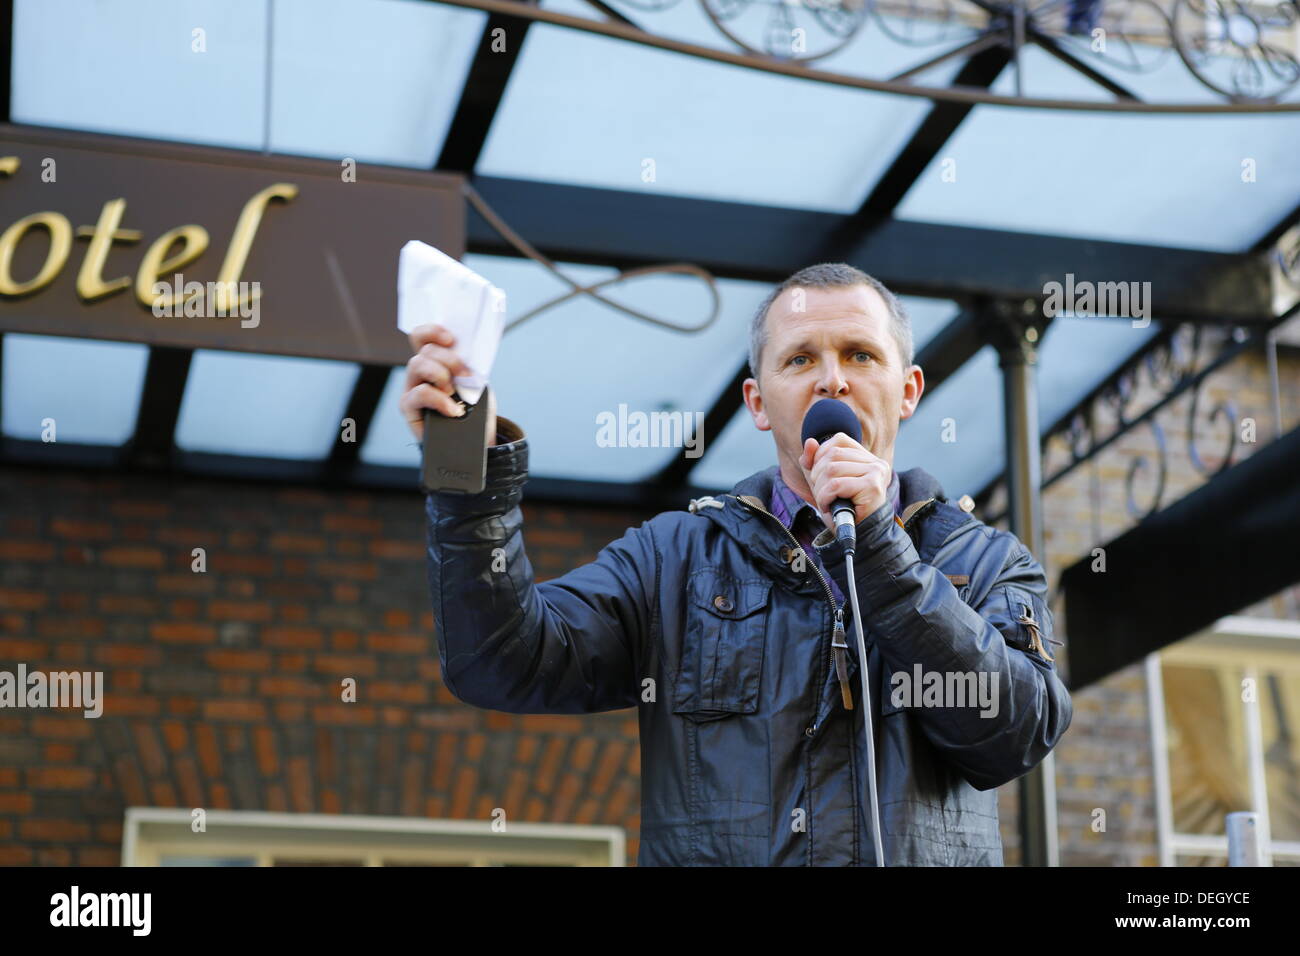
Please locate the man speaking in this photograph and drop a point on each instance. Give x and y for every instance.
(725, 624)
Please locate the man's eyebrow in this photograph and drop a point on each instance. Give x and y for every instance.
(855, 343)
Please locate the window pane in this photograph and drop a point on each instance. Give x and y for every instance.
(1206, 740)
(1279, 713)
(1181, 860)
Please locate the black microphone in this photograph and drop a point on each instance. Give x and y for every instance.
(824, 420)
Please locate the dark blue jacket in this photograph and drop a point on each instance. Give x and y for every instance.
(712, 623)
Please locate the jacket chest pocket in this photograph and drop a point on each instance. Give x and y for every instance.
(722, 646)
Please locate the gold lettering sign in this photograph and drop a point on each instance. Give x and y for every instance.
(156, 263)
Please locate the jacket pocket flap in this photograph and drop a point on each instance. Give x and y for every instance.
(726, 596)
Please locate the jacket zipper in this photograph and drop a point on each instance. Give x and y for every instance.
(838, 646)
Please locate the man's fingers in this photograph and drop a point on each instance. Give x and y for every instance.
(429, 333)
(435, 365)
(425, 396)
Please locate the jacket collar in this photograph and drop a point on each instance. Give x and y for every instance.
(766, 538)
(914, 486)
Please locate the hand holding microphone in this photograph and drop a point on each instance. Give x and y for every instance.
(847, 481)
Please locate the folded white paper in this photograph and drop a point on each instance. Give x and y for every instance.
(434, 287)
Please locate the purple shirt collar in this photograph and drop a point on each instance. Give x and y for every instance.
(786, 505)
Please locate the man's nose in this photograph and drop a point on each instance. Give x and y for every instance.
(832, 382)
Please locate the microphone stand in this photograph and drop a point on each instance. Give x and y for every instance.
(846, 533)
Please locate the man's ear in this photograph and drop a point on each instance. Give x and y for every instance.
(754, 402)
(913, 386)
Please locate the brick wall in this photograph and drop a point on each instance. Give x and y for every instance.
(222, 688)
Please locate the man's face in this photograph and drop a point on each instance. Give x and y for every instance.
(831, 343)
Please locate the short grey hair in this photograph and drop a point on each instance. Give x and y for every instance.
(831, 275)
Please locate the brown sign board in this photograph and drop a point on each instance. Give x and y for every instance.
(135, 240)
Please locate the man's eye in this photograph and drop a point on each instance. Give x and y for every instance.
(865, 355)
(797, 358)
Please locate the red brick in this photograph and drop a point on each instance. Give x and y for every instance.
(345, 665)
(393, 691)
(300, 785)
(175, 736)
(61, 728)
(182, 706)
(583, 750)
(290, 711)
(20, 600)
(239, 610)
(183, 632)
(74, 627)
(15, 856)
(291, 662)
(81, 530)
(122, 705)
(60, 753)
(183, 609)
(70, 653)
(346, 592)
(127, 604)
(238, 660)
(358, 570)
(345, 640)
(26, 551)
(296, 543)
(98, 856)
(398, 550)
(164, 795)
(192, 582)
(60, 778)
(253, 710)
(277, 686)
(205, 742)
(300, 637)
(268, 761)
(125, 680)
(15, 649)
(241, 564)
(187, 538)
(141, 510)
(109, 831)
(351, 524)
(347, 714)
(234, 684)
(15, 803)
(399, 643)
(127, 654)
(397, 620)
(126, 556)
(552, 724)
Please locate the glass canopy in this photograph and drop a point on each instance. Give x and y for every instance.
(382, 81)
